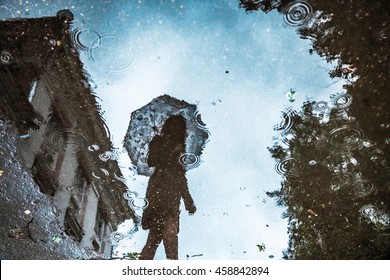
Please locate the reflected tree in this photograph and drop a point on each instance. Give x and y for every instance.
(332, 154)
(355, 35)
(335, 185)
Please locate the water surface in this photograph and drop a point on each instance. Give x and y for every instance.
(293, 97)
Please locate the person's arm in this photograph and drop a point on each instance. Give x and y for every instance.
(188, 201)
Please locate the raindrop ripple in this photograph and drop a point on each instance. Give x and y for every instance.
(297, 13)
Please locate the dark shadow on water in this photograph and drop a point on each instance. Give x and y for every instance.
(334, 187)
(165, 138)
(334, 155)
(166, 187)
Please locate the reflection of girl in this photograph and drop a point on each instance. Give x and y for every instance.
(166, 187)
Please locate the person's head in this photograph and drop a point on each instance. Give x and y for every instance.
(174, 128)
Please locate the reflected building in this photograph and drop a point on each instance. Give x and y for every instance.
(63, 140)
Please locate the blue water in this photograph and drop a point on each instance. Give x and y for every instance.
(238, 68)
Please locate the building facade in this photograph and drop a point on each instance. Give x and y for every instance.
(63, 140)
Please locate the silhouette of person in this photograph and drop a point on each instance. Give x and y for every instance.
(166, 187)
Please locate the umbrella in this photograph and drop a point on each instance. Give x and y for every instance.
(148, 121)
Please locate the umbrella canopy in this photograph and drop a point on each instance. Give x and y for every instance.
(148, 121)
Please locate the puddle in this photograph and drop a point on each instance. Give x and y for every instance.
(286, 116)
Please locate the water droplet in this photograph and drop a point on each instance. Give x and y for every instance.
(287, 121)
(69, 140)
(345, 137)
(138, 203)
(85, 39)
(297, 13)
(321, 105)
(342, 101)
(100, 173)
(367, 144)
(198, 119)
(130, 195)
(53, 42)
(379, 218)
(108, 155)
(6, 57)
(289, 166)
(362, 189)
(93, 148)
(112, 53)
(115, 237)
(335, 187)
(189, 160)
(368, 210)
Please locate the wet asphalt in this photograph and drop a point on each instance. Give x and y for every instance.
(28, 225)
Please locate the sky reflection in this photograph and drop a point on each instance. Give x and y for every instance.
(237, 68)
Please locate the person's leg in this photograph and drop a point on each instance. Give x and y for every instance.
(150, 248)
(170, 238)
